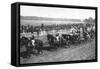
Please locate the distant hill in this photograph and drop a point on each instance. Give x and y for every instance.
(34, 20)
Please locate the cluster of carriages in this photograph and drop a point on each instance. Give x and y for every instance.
(76, 36)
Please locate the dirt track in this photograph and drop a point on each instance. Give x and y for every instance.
(85, 51)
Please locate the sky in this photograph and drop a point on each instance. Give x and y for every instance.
(54, 12)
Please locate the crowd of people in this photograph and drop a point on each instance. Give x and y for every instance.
(82, 32)
(77, 33)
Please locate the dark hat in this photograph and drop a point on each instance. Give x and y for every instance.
(57, 34)
(32, 37)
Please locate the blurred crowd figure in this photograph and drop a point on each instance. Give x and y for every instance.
(74, 30)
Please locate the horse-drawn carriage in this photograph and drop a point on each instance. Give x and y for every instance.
(31, 48)
(35, 46)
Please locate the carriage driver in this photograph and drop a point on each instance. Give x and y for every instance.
(33, 41)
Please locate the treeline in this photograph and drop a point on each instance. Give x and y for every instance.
(89, 22)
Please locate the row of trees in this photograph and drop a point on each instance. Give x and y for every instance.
(89, 22)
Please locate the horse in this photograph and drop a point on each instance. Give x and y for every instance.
(24, 41)
(92, 34)
(38, 46)
(70, 39)
(30, 49)
(54, 42)
(51, 40)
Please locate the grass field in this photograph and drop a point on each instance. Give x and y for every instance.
(84, 51)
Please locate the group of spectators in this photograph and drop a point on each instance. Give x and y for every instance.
(74, 30)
